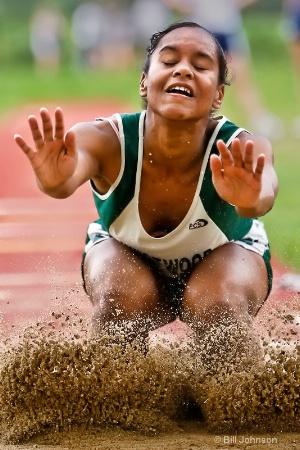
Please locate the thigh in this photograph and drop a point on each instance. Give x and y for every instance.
(112, 270)
(229, 278)
(110, 263)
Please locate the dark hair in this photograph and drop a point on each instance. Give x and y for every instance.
(156, 38)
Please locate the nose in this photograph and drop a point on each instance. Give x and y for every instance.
(183, 70)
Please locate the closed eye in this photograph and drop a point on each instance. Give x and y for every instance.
(200, 68)
(169, 63)
(173, 63)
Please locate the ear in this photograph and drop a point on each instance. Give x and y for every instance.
(143, 85)
(219, 97)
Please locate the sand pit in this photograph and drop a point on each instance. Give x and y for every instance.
(62, 387)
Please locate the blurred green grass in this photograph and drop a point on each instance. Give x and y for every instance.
(275, 78)
(20, 84)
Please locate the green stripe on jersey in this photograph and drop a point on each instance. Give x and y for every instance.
(222, 213)
(113, 206)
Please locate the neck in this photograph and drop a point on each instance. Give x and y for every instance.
(174, 143)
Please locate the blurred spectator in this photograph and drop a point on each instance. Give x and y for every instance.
(102, 34)
(89, 28)
(148, 16)
(118, 50)
(47, 28)
(290, 27)
(224, 19)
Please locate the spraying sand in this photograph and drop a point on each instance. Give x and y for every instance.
(63, 387)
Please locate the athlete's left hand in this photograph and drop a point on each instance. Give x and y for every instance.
(237, 173)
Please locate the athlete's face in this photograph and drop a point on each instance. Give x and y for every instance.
(183, 78)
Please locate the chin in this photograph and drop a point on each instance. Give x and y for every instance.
(174, 112)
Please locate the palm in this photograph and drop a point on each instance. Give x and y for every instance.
(235, 178)
(55, 158)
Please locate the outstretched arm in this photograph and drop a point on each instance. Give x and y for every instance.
(60, 162)
(244, 175)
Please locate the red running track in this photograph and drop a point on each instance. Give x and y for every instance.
(41, 239)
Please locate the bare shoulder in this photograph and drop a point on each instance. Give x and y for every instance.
(261, 143)
(96, 135)
(248, 136)
(99, 147)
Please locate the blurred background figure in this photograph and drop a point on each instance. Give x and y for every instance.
(147, 17)
(89, 29)
(224, 19)
(118, 47)
(290, 30)
(47, 29)
(102, 34)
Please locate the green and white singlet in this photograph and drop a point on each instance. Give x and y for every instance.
(209, 223)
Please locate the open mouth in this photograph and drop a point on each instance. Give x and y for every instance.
(180, 90)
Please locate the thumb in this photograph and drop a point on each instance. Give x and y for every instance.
(216, 166)
(70, 142)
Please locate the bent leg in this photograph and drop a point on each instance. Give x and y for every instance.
(223, 294)
(123, 288)
(231, 282)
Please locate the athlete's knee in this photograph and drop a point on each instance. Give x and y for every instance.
(111, 265)
(121, 286)
(122, 293)
(216, 301)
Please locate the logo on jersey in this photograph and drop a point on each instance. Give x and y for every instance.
(198, 224)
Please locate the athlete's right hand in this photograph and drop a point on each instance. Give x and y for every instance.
(54, 159)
